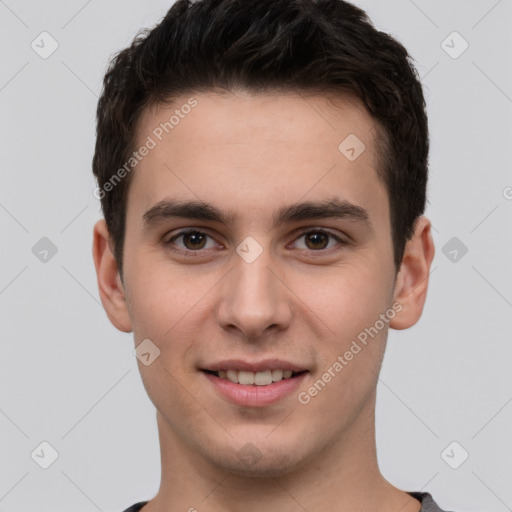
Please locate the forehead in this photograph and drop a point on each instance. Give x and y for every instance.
(236, 116)
(239, 148)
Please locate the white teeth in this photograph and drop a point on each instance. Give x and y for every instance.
(246, 378)
(263, 378)
(232, 375)
(277, 375)
(254, 378)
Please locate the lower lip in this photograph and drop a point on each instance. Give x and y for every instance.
(255, 396)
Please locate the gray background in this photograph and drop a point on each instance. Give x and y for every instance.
(69, 378)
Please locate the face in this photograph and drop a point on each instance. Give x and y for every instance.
(255, 283)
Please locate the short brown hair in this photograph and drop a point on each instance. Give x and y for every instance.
(288, 45)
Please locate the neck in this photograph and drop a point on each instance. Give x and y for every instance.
(344, 476)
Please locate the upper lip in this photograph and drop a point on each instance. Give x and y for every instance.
(255, 366)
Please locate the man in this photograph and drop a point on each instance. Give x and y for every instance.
(262, 168)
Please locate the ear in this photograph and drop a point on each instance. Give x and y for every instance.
(412, 279)
(109, 282)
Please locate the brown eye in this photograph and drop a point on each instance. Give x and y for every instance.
(193, 240)
(316, 240)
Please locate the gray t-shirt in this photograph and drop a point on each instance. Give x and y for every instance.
(427, 503)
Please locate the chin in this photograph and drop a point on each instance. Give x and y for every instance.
(260, 460)
(268, 466)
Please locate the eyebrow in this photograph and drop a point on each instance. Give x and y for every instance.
(310, 210)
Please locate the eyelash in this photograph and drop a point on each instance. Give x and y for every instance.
(200, 252)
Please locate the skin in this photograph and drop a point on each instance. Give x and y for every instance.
(301, 300)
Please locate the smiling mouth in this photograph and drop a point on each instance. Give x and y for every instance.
(247, 378)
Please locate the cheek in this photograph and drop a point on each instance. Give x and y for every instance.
(346, 300)
(350, 305)
(160, 298)
(164, 386)
(351, 355)
(170, 311)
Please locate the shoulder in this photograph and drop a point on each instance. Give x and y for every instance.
(427, 502)
(136, 507)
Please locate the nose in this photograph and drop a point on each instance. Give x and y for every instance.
(254, 298)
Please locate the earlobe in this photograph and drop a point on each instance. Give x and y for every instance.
(412, 279)
(110, 286)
